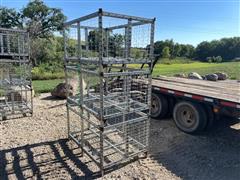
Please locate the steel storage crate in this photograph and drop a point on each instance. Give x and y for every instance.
(108, 64)
(15, 74)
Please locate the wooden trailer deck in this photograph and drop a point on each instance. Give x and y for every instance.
(224, 90)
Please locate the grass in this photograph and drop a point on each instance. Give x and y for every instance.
(231, 68)
(177, 60)
(44, 86)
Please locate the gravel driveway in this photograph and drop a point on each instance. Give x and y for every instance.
(36, 148)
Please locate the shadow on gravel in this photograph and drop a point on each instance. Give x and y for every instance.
(15, 117)
(213, 155)
(41, 160)
(34, 162)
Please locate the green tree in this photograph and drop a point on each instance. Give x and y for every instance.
(191, 51)
(176, 50)
(138, 53)
(187, 50)
(227, 48)
(115, 42)
(116, 45)
(203, 51)
(41, 20)
(166, 52)
(159, 45)
(218, 59)
(209, 59)
(93, 40)
(9, 18)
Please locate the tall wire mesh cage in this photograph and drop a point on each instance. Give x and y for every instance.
(15, 74)
(108, 64)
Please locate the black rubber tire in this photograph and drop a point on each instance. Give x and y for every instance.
(171, 104)
(211, 120)
(159, 106)
(189, 117)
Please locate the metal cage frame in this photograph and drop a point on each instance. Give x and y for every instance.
(95, 120)
(15, 68)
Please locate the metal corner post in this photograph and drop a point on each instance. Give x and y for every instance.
(79, 49)
(151, 56)
(66, 78)
(101, 70)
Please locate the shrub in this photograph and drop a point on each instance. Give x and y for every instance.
(237, 59)
(209, 59)
(166, 52)
(48, 71)
(218, 59)
(214, 59)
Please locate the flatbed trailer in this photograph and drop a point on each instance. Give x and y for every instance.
(194, 104)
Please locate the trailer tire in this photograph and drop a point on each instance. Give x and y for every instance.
(210, 118)
(189, 117)
(159, 106)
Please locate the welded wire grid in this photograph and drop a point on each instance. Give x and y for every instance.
(111, 57)
(13, 43)
(115, 40)
(15, 74)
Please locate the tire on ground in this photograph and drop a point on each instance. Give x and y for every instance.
(189, 117)
(210, 118)
(159, 106)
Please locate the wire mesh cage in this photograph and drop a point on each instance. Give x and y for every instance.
(15, 74)
(110, 57)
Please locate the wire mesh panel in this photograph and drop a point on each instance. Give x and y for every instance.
(15, 74)
(111, 56)
(13, 43)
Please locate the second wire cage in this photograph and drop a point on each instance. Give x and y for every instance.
(108, 64)
(16, 98)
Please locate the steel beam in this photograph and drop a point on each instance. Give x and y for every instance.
(83, 18)
(122, 16)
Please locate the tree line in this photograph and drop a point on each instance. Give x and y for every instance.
(226, 48)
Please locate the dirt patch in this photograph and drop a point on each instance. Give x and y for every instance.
(37, 147)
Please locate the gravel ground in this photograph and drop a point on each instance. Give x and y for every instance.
(36, 148)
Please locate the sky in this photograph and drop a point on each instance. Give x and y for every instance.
(184, 21)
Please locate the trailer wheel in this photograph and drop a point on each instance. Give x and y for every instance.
(210, 118)
(159, 106)
(189, 117)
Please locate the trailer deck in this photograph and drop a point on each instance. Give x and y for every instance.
(227, 92)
